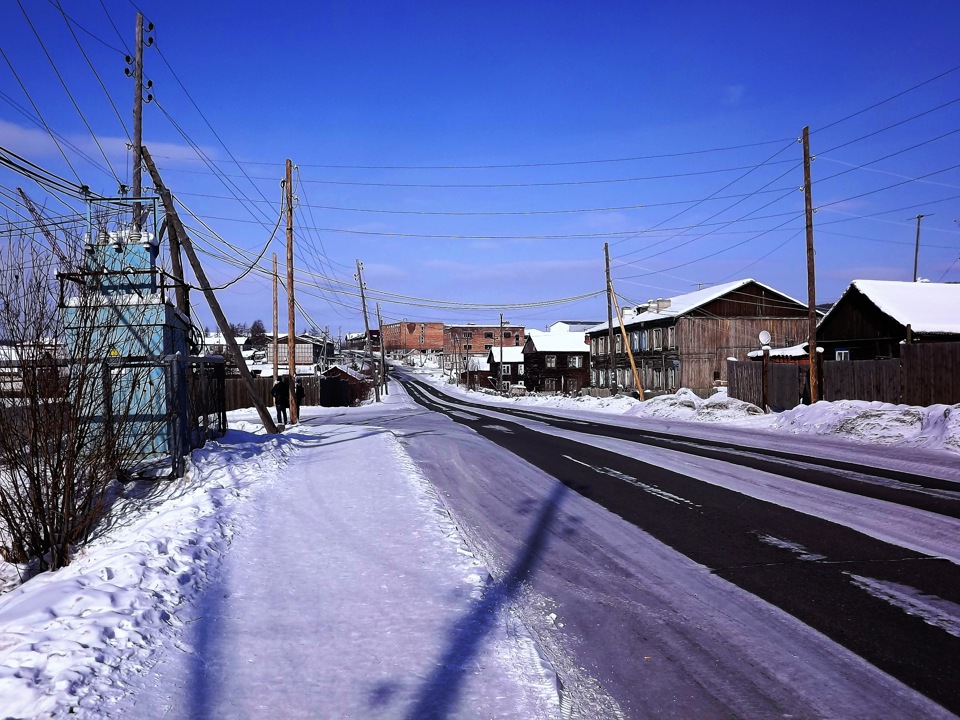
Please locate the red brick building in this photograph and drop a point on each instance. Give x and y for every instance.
(402, 338)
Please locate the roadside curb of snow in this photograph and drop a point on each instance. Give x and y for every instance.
(483, 578)
(72, 641)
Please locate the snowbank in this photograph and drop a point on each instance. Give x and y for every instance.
(73, 638)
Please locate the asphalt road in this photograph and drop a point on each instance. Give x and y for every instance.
(676, 597)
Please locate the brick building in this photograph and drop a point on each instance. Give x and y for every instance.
(403, 338)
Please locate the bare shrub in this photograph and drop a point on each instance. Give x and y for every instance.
(78, 405)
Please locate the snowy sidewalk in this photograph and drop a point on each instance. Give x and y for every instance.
(312, 575)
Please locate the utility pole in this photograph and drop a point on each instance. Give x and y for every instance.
(612, 355)
(291, 312)
(811, 275)
(276, 321)
(383, 354)
(916, 249)
(208, 293)
(136, 72)
(500, 379)
(366, 324)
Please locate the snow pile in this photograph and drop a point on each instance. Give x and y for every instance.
(687, 405)
(934, 427)
(73, 638)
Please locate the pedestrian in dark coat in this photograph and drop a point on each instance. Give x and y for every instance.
(281, 398)
(299, 393)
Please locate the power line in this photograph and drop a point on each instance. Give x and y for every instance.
(883, 102)
(66, 89)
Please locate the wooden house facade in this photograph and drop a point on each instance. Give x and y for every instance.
(873, 318)
(506, 363)
(685, 341)
(556, 362)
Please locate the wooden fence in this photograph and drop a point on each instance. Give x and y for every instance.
(238, 396)
(330, 392)
(924, 374)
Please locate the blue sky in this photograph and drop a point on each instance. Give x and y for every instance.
(476, 156)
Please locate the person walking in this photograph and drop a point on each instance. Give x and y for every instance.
(299, 393)
(281, 398)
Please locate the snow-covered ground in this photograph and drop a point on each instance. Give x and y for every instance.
(197, 588)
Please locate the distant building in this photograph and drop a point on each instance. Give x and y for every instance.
(405, 337)
(461, 342)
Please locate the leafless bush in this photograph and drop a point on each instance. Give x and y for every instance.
(73, 414)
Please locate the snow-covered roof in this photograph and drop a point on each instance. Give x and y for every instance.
(511, 353)
(559, 342)
(346, 371)
(926, 307)
(678, 305)
(794, 351)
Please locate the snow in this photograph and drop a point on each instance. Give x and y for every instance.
(320, 567)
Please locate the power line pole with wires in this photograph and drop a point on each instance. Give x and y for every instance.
(612, 357)
(136, 72)
(291, 309)
(366, 324)
(916, 248)
(811, 275)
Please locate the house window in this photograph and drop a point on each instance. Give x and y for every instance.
(672, 377)
(551, 361)
(550, 384)
(672, 337)
(488, 347)
(657, 339)
(658, 379)
(635, 341)
(505, 370)
(488, 335)
(505, 386)
(520, 369)
(507, 334)
(619, 343)
(575, 361)
(644, 340)
(468, 346)
(593, 346)
(468, 334)
(842, 354)
(595, 378)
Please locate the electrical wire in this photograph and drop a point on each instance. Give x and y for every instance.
(66, 89)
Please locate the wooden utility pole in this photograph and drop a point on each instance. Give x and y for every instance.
(383, 354)
(137, 73)
(626, 344)
(291, 311)
(916, 249)
(811, 275)
(611, 353)
(366, 324)
(276, 321)
(208, 293)
(500, 379)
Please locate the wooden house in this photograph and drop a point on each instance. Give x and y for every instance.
(556, 362)
(506, 363)
(684, 341)
(873, 317)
